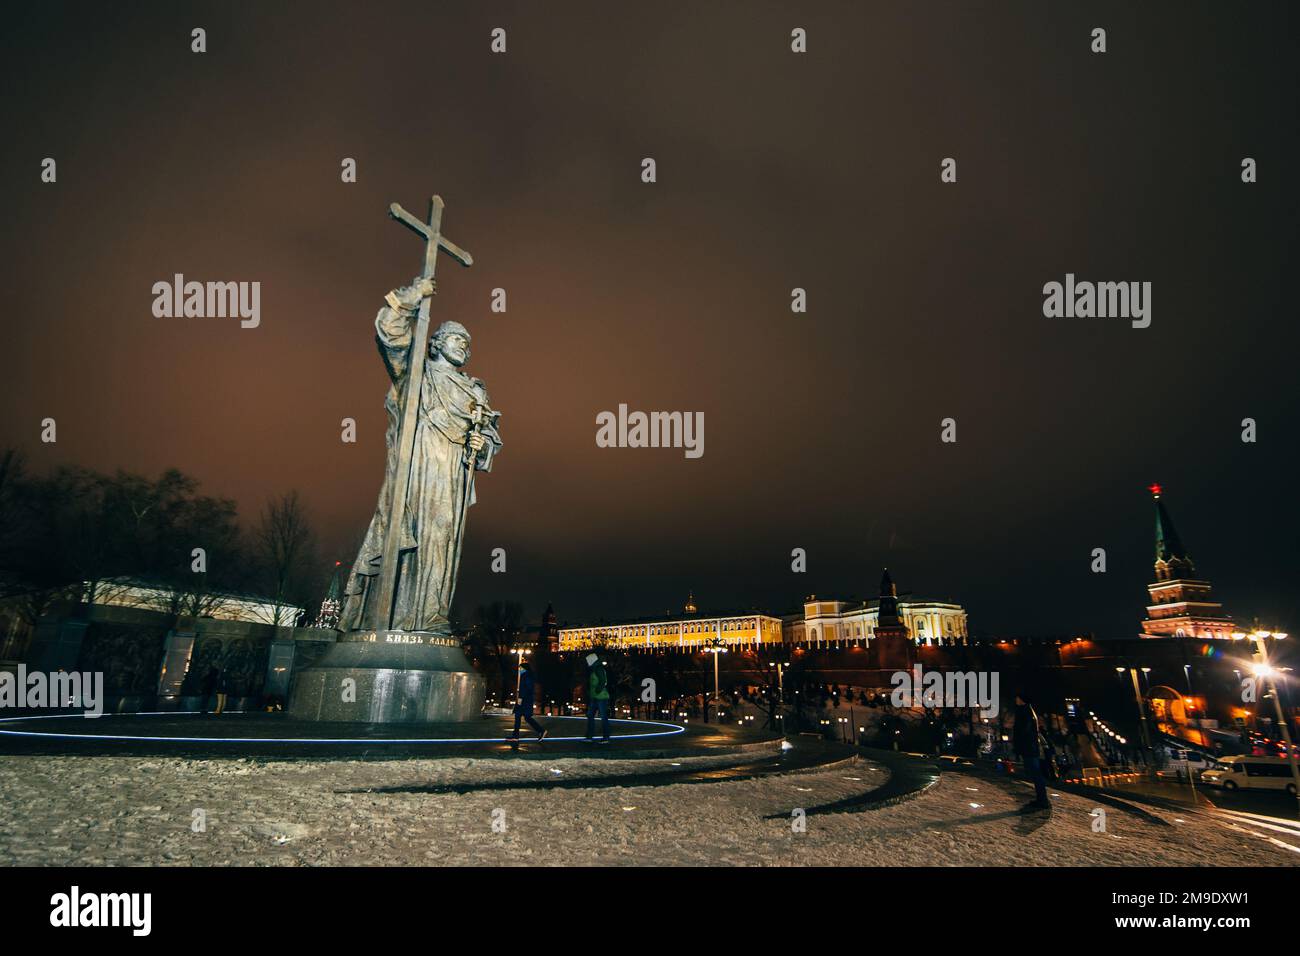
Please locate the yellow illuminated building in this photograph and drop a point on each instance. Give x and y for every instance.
(742, 630)
(822, 624)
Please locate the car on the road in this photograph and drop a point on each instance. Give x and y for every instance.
(1251, 773)
(1182, 761)
(1262, 745)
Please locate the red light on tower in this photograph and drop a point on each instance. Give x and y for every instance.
(1155, 490)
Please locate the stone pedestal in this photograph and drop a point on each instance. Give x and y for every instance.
(399, 677)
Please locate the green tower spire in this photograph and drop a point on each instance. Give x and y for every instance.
(1169, 546)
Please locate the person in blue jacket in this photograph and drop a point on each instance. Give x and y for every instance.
(524, 705)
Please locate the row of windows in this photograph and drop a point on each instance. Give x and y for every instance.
(670, 630)
(569, 641)
(919, 625)
(1206, 632)
(751, 629)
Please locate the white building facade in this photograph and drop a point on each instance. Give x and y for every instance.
(832, 623)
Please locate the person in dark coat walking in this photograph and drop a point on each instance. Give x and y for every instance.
(223, 688)
(527, 697)
(208, 687)
(1024, 742)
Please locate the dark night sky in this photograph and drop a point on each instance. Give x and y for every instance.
(775, 171)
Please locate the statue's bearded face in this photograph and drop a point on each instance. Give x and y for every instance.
(454, 347)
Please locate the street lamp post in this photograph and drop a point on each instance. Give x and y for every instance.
(1265, 670)
(780, 679)
(779, 703)
(714, 647)
(1191, 694)
(1142, 712)
(521, 653)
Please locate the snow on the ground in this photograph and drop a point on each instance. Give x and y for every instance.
(139, 811)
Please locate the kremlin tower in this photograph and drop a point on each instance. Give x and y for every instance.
(892, 644)
(1181, 604)
(328, 615)
(548, 634)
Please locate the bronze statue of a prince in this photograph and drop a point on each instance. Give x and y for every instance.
(396, 660)
(455, 435)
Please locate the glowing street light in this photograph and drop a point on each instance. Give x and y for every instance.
(521, 653)
(780, 677)
(1137, 696)
(1264, 671)
(715, 647)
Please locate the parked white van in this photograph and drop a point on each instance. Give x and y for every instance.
(1251, 773)
(1182, 761)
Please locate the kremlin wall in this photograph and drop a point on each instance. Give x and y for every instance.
(1189, 661)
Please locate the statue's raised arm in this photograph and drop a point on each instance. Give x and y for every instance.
(395, 324)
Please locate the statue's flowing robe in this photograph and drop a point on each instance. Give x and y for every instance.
(440, 491)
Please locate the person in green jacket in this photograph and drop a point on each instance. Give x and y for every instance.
(597, 697)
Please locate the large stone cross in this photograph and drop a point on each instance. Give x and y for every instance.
(431, 232)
